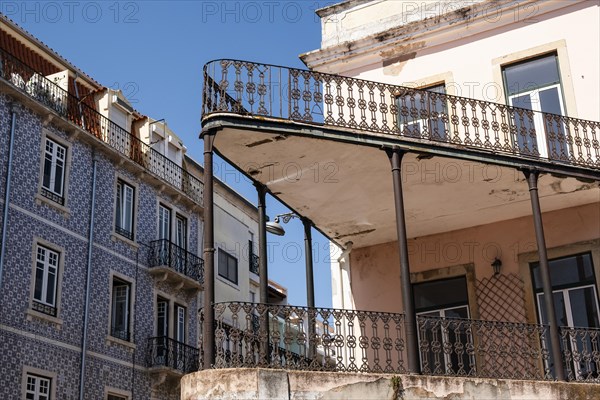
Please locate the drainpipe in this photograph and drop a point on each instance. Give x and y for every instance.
(7, 190)
(87, 281)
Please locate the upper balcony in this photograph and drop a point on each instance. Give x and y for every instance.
(315, 141)
(64, 108)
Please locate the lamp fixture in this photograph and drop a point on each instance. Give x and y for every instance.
(496, 264)
(275, 227)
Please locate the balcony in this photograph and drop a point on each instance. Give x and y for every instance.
(373, 342)
(170, 358)
(23, 80)
(171, 263)
(315, 142)
(253, 263)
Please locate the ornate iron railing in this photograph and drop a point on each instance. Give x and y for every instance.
(254, 261)
(163, 252)
(315, 98)
(581, 352)
(352, 341)
(72, 109)
(486, 349)
(44, 308)
(166, 352)
(365, 341)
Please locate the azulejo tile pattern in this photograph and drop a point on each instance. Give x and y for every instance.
(27, 341)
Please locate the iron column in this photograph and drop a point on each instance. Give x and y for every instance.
(263, 273)
(412, 345)
(532, 180)
(310, 285)
(208, 336)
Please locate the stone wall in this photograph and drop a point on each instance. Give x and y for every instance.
(264, 384)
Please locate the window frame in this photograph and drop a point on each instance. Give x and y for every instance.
(421, 122)
(34, 311)
(223, 253)
(131, 309)
(118, 393)
(135, 203)
(533, 92)
(41, 196)
(39, 373)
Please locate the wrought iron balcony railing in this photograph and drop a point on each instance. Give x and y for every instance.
(314, 98)
(166, 352)
(253, 263)
(365, 341)
(165, 253)
(46, 92)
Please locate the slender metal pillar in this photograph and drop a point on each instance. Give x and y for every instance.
(263, 272)
(310, 285)
(532, 180)
(412, 345)
(208, 327)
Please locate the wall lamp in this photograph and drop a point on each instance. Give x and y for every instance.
(496, 264)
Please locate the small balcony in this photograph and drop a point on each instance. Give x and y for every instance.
(171, 263)
(253, 263)
(171, 358)
(335, 340)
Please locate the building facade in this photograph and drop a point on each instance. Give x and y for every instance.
(101, 271)
(451, 152)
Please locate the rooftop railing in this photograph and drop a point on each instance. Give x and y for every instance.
(314, 98)
(373, 342)
(76, 111)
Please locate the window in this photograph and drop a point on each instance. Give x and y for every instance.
(434, 301)
(116, 397)
(37, 387)
(164, 222)
(46, 281)
(124, 209)
(575, 301)
(228, 267)
(420, 113)
(121, 303)
(180, 323)
(53, 179)
(535, 85)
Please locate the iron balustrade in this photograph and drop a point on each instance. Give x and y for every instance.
(374, 342)
(314, 98)
(581, 352)
(254, 261)
(165, 352)
(43, 308)
(351, 341)
(76, 111)
(484, 349)
(165, 253)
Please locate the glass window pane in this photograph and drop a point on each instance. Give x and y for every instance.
(567, 271)
(550, 101)
(560, 311)
(441, 293)
(530, 75)
(584, 307)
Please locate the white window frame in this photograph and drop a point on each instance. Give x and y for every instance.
(130, 312)
(180, 323)
(117, 393)
(33, 311)
(40, 198)
(124, 205)
(39, 376)
(50, 260)
(538, 119)
(56, 160)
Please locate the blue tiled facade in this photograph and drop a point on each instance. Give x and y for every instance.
(28, 340)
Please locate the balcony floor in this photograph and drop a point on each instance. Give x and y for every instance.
(345, 186)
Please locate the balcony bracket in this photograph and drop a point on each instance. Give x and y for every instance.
(46, 121)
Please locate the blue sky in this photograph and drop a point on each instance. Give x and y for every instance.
(155, 50)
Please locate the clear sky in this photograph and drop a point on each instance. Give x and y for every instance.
(155, 50)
